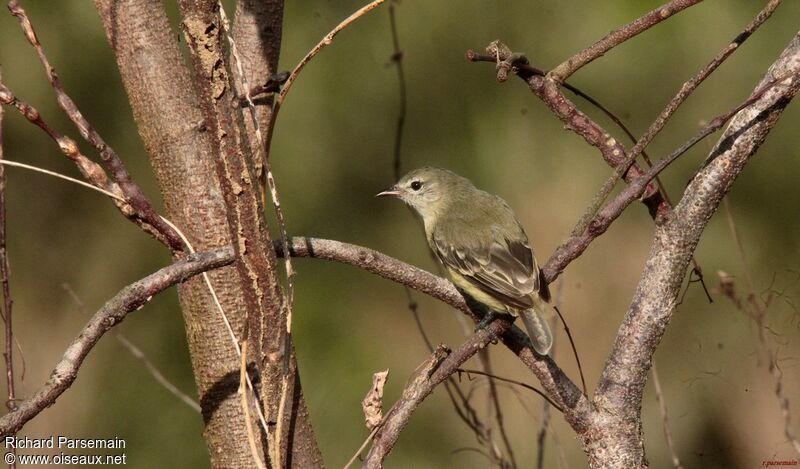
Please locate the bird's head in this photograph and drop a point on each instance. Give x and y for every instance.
(429, 190)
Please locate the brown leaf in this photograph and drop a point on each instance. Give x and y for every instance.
(373, 401)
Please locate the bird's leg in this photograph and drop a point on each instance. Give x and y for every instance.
(487, 319)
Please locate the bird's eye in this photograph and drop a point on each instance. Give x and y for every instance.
(416, 185)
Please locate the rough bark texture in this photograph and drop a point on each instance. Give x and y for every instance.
(170, 123)
(257, 29)
(256, 262)
(615, 437)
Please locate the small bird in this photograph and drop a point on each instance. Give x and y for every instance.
(481, 243)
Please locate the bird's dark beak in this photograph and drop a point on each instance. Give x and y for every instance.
(393, 191)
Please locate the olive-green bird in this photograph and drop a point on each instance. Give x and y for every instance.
(480, 241)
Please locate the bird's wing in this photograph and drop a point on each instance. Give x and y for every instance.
(504, 269)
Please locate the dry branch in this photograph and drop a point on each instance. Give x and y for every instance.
(437, 368)
(615, 38)
(616, 437)
(561, 389)
(143, 212)
(129, 299)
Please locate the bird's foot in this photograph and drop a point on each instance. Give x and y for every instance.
(484, 324)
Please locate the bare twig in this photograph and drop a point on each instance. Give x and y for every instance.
(619, 393)
(243, 392)
(661, 121)
(397, 60)
(144, 213)
(615, 38)
(662, 406)
(129, 299)
(574, 246)
(363, 446)
(544, 396)
(494, 402)
(8, 353)
(433, 371)
(757, 310)
(138, 354)
(327, 40)
(93, 172)
(541, 436)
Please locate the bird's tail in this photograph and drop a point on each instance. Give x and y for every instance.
(535, 320)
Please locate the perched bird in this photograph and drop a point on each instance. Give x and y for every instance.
(480, 241)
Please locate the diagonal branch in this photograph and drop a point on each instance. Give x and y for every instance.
(437, 368)
(619, 393)
(576, 244)
(143, 212)
(129, 299)
(615, 38)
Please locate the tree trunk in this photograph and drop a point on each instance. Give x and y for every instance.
(183, 150)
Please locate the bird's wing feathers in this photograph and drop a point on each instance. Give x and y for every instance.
(502, 268)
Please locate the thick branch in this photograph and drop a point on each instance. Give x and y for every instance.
(129, 299)
(619, 395)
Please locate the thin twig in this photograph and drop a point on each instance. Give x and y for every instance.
(541, 437)
(662, 406)
(511, 381)
(8, 353)
(759, 316)
(130, 298)
(574, 349)
(93, 172)
(615, 38)
(251, 438)
(494, 403)
(145, 214)
(661, 121)
(364, 444)
(327, 40)
(397, 60)
(138, 354)
(428, 375)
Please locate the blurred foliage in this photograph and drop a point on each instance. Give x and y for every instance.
(333, 151)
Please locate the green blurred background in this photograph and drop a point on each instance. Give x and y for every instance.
(333, 152)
